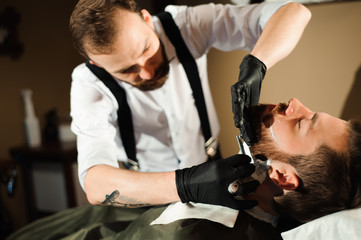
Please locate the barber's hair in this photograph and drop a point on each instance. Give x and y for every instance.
(330, 181)
(93, 27)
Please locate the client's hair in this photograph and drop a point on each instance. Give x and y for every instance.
(324, 185)
(92, 24)
(329, 180)
(355, 163)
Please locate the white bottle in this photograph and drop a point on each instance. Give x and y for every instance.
(32, 126)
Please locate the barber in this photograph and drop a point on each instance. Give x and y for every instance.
(169, 142)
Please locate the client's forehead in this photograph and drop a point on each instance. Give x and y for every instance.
(333, 132)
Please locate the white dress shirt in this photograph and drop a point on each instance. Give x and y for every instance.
(166, 123)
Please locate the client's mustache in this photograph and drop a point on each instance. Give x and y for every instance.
(280, 108)
(268, 119)
(256, 117)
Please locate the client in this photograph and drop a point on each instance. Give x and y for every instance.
(315, 160)
(315, 170)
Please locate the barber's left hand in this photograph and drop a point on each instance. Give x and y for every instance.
(245, 93)
(209, 181)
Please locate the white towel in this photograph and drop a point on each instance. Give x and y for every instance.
(178, 210)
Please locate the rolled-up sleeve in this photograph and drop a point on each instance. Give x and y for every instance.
(225, 27)
(94, 122)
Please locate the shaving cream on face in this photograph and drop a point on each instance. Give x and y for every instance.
(261, 166)
(260, 175)
(261, 169)
(273, 135)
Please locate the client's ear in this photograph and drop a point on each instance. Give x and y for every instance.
(284, 176)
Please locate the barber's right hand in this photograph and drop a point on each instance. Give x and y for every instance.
(209, 181)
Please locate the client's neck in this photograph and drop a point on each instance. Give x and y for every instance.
(265, 194)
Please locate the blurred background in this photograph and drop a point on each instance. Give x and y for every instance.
(324, 72)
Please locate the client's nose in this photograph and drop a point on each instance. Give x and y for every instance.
(295, 107)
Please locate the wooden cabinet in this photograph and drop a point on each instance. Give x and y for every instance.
(58, 157)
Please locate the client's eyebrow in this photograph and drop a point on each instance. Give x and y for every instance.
(314, 120)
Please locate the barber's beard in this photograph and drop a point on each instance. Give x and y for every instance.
(158, 81)
(160, 76)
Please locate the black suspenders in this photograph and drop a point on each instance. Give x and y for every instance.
(190, 67)
(125, 122)
(124, 114)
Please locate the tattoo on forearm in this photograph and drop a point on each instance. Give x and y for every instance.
(128, 202)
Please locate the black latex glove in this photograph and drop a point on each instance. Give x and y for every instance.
(209, 181)
(245, 93)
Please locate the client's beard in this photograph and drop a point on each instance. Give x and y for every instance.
(265, 147)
